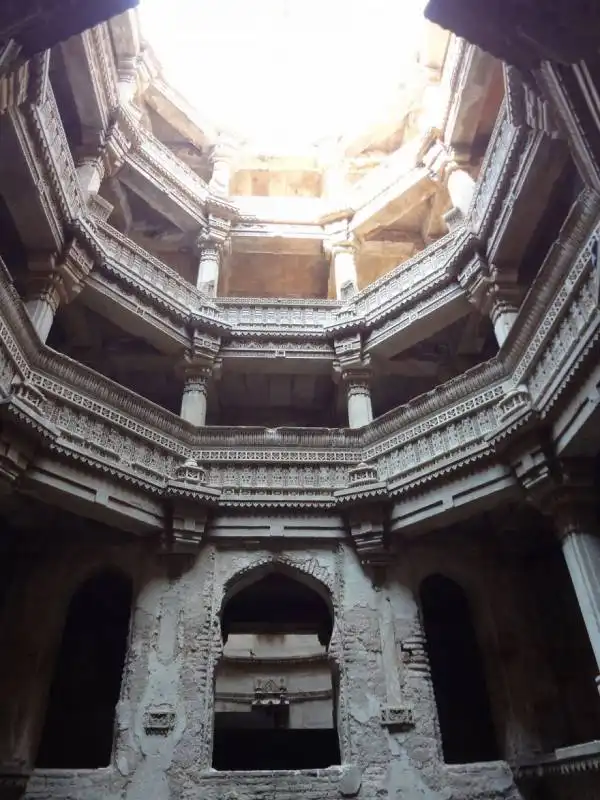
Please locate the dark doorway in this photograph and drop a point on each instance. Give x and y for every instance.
(457, 671)
(79, 725)
(274, 667)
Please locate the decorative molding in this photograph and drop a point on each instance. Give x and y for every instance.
(397, 718)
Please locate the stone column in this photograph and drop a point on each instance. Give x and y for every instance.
(504, 296)
(358, 392)
(43, 299)
(193, 402)
(222, 159)
(343, 255)
(127, 80)
(577, 527)
(90, 171)
(461, 187)
(494, 293)
(208, 268)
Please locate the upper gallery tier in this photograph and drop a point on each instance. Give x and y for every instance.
(277, 216)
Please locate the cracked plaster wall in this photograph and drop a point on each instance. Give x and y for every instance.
(163, 743)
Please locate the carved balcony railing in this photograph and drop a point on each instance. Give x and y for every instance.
(108, 428)
(496, 169)
(415, 288)
(47, 122)
(151, 277)
(85, 418)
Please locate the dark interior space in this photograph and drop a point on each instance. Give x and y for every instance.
(261, 738)
(79, 724)
(12, 249)
(254, 749)
(277, 604)
(87, 337)
(457, 672)
(573, 716)
(564, 193)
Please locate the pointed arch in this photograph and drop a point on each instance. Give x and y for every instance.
(275, 705)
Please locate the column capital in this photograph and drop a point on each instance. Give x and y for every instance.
(201, 360)
(442, 159)
(489, 288)
(340, 239)
(367, 523)
(336, 246)
(216, 235)
(358, 379)
(562, 488)
(225, 149)
(196, 380)
(47, 285)
(349, 354)
(571, 498)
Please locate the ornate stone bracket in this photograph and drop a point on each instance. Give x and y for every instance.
(366, 512)
(190, 500)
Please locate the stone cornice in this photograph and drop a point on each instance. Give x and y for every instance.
(573, 760)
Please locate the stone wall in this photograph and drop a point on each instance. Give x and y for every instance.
(387, 721)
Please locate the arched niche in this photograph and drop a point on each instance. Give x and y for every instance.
(80, 714)
(275, 694)
(457, 671)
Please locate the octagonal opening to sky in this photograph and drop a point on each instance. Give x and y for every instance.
(283, 75)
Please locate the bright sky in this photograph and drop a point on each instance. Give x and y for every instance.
(285, 73)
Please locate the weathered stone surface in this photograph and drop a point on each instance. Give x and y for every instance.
(350, 782)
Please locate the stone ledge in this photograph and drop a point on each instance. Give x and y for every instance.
(584, 757)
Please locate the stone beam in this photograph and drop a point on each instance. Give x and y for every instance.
(277, 357)
(576, 432)
(476, 72)
(144, 179)
(539, 168)
(133, 315)
(109, 501)
(392, 204)
(89, 63)
(418, 322)
(274, 237)
(26, 186)
(181, 116)
(454, 501)
(279, 210)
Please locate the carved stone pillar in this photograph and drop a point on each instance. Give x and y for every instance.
(343, 262)
(222, 161)
(44, 296)
(195, 393)
(574, 513)
(504, 309)
(208, 268)
(90, 171)
(494, 293)
(127, 83)
(461, 187)
(358, 392)
(212, 244)
(54, 279)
